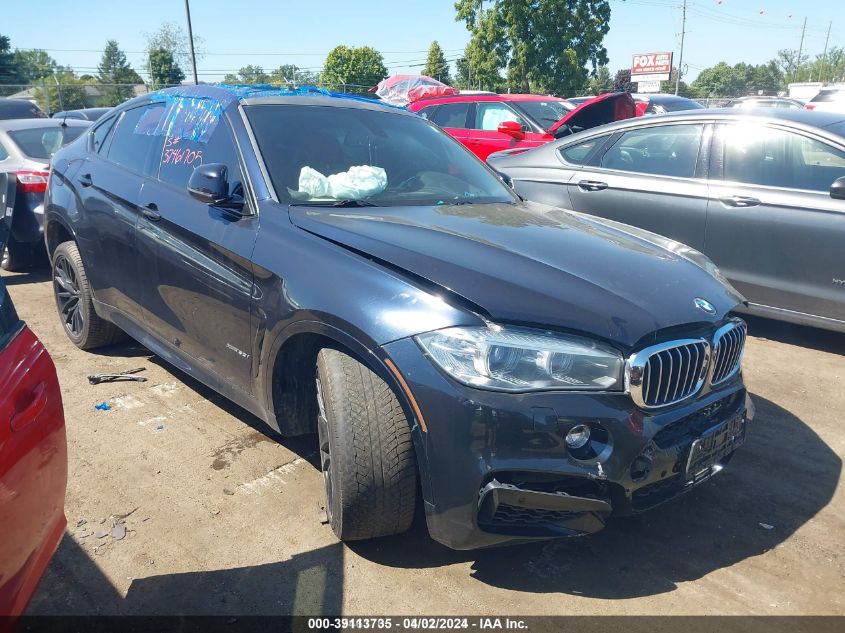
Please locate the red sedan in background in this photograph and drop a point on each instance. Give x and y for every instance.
(33, 455)
(489, 122)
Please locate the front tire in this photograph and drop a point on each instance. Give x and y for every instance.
(74, 302)
(366, 451)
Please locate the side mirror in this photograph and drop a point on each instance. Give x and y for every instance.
(837, 189)
(210, 184)
(511, 128)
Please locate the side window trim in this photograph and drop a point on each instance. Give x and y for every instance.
(594, 157)
(702, 165)
(112, 122)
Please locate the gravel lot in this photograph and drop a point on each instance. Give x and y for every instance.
(224, 518)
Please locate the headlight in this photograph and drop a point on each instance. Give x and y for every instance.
(520, 359)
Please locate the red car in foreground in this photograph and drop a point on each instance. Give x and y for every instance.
(33, 457)
(489, 122)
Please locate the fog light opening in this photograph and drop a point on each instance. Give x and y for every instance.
(577, 437)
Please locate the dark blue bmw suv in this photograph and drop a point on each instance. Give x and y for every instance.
(341, 267)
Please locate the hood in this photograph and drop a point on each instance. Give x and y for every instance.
(533, 264)
(606, 108)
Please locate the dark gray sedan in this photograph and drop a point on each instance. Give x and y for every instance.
(762, 194)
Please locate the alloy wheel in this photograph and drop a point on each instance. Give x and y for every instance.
(66, 287)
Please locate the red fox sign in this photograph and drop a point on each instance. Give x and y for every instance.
(651, 64)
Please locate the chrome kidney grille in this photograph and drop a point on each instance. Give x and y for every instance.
(668, 373)
(728, 346)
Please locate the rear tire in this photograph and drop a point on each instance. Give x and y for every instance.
(17, 256)
(366, 451)
(74, 302)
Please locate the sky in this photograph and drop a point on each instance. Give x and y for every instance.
(274, 32)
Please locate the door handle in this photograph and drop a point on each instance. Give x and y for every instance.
(739, 201)
(31, 411)
(150, 212)
(85, 180)
(592, 185)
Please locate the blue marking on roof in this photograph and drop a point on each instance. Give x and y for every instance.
(192, 112)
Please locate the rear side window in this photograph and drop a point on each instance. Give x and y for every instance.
(577, 154)
(428, 112)
(43, 142)
(488, 116)
(452, 115)
(179, 158)
(101, 133)
(770, 157)
(666, 150)
(20, 110)
(3, 153)
(131, 148)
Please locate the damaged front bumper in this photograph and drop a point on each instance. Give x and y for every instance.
(495, 468)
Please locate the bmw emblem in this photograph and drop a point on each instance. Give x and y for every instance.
(704, 305)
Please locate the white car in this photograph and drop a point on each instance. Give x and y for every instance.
(26, 147)
(829, 99)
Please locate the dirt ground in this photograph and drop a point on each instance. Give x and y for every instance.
(224, 517)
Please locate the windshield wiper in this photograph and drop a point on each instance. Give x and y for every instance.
(338, 203)
(351, 202)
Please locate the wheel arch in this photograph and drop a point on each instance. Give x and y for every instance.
(288, 381)
(56, 231)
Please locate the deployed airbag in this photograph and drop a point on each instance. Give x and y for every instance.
(356, 183)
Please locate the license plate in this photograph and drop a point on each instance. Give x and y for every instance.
(714, 445)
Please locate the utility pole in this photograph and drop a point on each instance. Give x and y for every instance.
(800, 50)
(191, 42)
(824, 55)
(681, 56)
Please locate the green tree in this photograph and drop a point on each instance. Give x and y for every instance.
(478, 70)
(32, 65)
(792, 67)
(354, 69)
(163, 69)
(668, 86)
(116, 76)
(543, 45)
(61, 91)
(290, 75)
(601, 82)
(9, 72)
(829, 67)
(173, 39)
(622, 81)
(723, 80)
(248, 75)
(436, 65)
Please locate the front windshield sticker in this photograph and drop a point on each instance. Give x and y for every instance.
(191, 114)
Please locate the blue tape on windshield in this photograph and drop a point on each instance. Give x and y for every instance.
(193, 112)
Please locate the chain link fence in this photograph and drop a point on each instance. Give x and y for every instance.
(52, 95)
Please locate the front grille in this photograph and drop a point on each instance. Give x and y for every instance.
(670, 372)
(728, 345)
